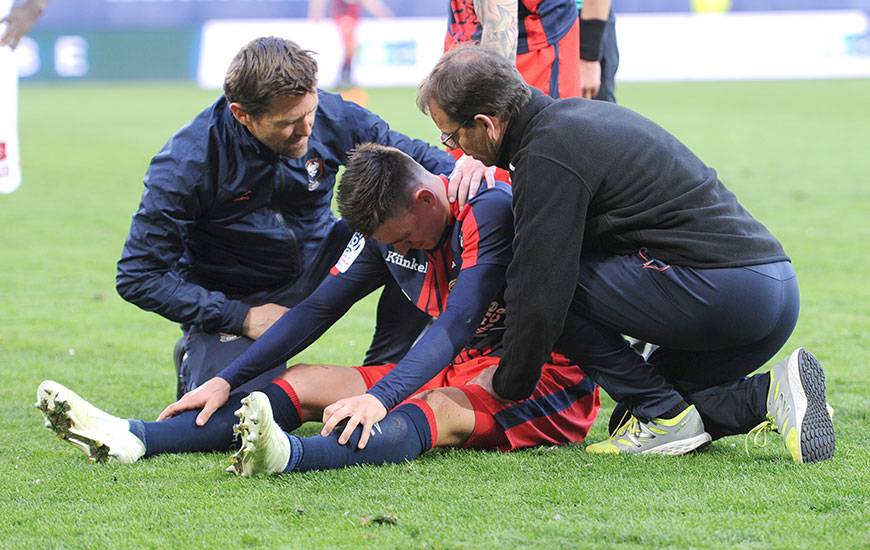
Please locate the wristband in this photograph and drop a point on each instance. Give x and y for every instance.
(591, 34)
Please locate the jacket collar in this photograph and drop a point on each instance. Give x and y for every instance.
(517, 127)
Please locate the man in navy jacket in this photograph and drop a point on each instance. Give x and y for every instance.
(235, 225)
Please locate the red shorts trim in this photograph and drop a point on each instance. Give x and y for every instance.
(538, 66)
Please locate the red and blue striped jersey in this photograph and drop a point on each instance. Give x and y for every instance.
(480, 234)
(460, 282)
(541, 23)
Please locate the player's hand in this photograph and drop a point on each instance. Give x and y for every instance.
(360, 410)
(260, 318)
(590, 78)
(21, 18)
(484, 380)
(464, 182)
(209, 397)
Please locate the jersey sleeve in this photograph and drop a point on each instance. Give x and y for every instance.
(357, 273)
(474, 291)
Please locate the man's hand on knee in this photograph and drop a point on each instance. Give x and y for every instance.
(260, 318)
(209, 397)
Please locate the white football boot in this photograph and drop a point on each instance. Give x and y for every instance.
(100, 435)
(265, 447)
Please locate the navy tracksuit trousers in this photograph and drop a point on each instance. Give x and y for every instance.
(713, 327)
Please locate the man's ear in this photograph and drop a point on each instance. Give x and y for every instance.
(240, 114)
(492, 124)
(425, 196)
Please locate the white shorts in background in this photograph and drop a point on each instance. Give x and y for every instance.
(10, 164)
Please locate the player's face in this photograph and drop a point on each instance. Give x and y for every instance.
(419, 227)
(286, 126)
(473, 137)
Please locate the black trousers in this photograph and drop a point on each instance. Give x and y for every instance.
(713, 328)
(609, 61)
(398, 324)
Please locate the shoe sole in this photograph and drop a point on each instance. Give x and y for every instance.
(817, 440)
(250, 415)
(56, 409)
(681, 447)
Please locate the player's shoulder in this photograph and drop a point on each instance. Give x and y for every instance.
(496, 196)
(490, 203)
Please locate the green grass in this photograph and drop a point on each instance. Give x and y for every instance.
(796, 153)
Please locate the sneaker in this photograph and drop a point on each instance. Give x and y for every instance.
(668, 436)
(797, 408)
(265, 447)
(100, 435)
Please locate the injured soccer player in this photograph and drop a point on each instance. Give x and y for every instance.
(451, 263)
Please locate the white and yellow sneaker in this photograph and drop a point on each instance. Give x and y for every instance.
(265, 447)
(101, 436)
(668, 436)
(797, 408)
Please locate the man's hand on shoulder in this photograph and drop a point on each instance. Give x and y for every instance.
(260, 318)
(464, 182)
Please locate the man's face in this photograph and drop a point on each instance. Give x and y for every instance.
(420, 226)
(472, 138)
(286, 126)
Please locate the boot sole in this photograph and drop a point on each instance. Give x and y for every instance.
(56, 412)
(817, 440)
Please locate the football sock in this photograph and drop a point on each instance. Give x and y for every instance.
(180, 434)
(405, 433)
(286, 409)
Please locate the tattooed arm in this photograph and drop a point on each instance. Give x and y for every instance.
(499, 21)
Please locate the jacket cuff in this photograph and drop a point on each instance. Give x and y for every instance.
(233, 315)
(513, 389)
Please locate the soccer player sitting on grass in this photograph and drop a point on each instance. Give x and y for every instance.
(451, 264)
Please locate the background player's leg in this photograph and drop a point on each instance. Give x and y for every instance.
(10, 166)
(609, 61)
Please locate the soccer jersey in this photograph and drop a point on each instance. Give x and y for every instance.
(541, 23)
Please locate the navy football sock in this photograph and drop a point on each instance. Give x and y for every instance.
(285, 405)
(180, 434)
(404, 434)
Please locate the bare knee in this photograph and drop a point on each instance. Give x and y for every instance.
(318, 386)
(454, 416)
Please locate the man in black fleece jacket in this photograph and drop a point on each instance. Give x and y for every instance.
(621, 230)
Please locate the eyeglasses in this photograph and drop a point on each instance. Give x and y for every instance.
(449, 140)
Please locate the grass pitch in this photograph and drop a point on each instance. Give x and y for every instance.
(796, 154)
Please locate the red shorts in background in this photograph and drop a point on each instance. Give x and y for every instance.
(555, 69)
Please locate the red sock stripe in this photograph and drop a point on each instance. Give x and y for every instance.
(430, 418)
(291, 393)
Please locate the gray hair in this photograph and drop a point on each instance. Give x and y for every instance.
(470, 80)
